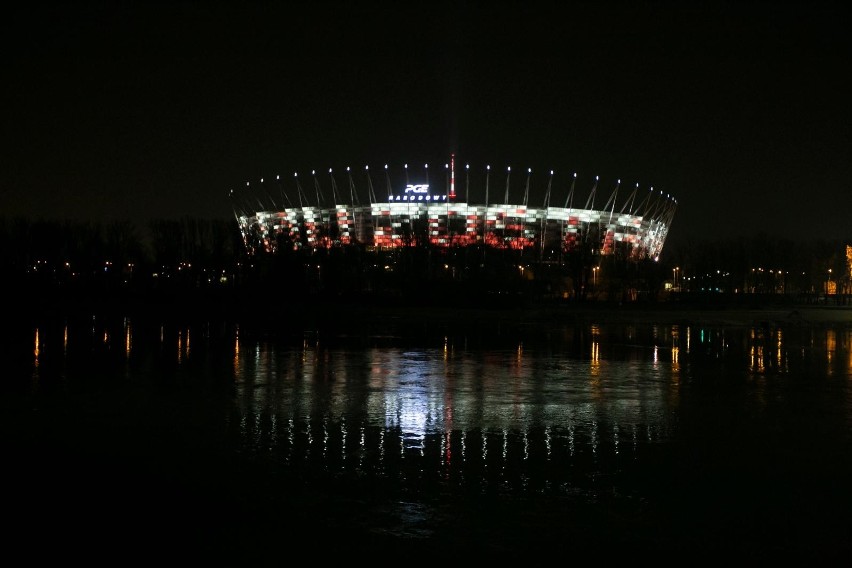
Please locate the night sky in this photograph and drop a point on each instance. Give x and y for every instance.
(126, 110)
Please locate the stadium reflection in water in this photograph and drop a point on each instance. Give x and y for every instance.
(446, 408)
(588, 412)
(452, 411)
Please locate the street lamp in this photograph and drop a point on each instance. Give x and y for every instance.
(595, 275)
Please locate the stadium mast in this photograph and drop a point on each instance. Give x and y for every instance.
(452, 176)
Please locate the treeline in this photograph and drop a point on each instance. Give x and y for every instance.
(60, 265)
(194, 261)
(760, 264)
(86, 247)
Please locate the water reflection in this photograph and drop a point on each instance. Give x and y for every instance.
(523, 416)
(675, 347)
(777, 350)
(830, 346)
(502, 410)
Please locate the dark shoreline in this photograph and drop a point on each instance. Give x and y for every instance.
(318, 311)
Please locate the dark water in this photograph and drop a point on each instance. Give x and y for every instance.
(127, 440)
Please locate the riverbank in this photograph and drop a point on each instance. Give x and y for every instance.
(712, 315)
(327, 311)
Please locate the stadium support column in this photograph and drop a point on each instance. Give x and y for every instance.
(467, 182)
(544, 218)
(485, 214)
(371, 193)
(487, 175)
(452, 177)
(508, 175)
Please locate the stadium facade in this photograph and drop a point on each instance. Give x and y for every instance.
(411, 211)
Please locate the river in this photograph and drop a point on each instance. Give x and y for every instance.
(236, 442)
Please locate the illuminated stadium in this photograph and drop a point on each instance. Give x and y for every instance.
(395, 208)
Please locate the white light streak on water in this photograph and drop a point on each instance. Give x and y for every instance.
(505, 447)
(547, 441)
(343, 440)
(594, 438)
(571, 439)
(325, 437)
(463, 445)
